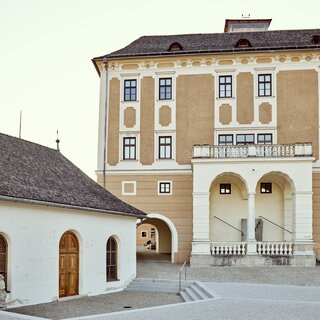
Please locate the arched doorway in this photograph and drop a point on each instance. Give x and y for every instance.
(164, 245)
(3, 258)
(68, 265)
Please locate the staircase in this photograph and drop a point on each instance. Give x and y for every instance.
(156, 285)
(190, 291)
(195, 292)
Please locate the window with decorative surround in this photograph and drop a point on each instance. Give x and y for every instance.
(165, 88)
(165, 147)
(129, 148)
(130, 90)
(264, 85)
(225, 86)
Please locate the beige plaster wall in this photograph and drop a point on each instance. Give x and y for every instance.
(113, 122)
(297, 107)
(244, 95)
(194, 101)
(147, 121)
(177, 207)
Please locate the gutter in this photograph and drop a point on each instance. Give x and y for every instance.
(68, 206)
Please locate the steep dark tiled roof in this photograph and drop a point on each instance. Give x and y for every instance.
(29, 171)
(219, 42)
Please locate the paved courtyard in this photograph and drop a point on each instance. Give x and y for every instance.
(240, 293)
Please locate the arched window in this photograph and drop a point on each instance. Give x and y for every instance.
(3, 258)
(243, 43)
(112, 259)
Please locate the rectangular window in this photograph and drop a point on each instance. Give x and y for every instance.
(265, 138)
(129, 148)
(165, 89)
(130, 90)
(225, 139)
(164, 187)
(265, 187)
(264, 85)
(165, 147)
(225, 86)
(225, 188)
(245, 139)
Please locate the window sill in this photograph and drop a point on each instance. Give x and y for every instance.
(226, 98)
(264, 97)
(129, 160)
(130, 101)
(161, 100)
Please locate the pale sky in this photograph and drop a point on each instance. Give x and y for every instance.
(46, 48)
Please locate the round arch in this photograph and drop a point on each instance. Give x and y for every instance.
(280, 177)
(172, 228)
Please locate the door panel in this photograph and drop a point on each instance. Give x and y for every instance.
(68, 265)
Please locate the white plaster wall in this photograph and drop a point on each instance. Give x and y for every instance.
(33, 233)
(271, 206)
(230, 208)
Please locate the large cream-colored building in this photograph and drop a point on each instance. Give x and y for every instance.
(216, 136)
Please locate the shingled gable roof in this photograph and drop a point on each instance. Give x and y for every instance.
(29, 171)
(217, 43)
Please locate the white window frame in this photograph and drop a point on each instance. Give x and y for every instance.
(164, 194)
(165, 74)
(130, 76)
(129, 135)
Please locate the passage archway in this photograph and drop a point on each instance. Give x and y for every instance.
(68, 265)
(3, 258)
(161, 239)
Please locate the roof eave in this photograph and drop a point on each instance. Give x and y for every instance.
(217, 51)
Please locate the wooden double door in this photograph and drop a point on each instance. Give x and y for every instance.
(68, 265)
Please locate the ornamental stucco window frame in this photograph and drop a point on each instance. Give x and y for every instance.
(129, 77)
(162, 75)
(130, 90)
(165, 151)
(264, 85)
(165, 88)
(129, 149)
(225, 86)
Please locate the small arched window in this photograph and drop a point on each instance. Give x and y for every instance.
(243, 43)
(175, 46)
(112, 259)
(3, 258)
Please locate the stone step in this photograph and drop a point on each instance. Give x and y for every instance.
(195, 292)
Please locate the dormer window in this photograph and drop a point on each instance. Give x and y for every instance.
(175, 46)
(316, 39)
(243, 43)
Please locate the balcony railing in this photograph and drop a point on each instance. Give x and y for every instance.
(253, 150)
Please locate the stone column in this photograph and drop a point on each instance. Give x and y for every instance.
(251, 221)
(2, 293)
(201, 222)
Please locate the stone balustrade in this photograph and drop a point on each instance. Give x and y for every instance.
(228, 248)
(272, 248)
(2, 293)
(253, 150)
(275, 248)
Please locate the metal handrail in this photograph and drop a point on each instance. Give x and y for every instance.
(228, 224)
(185, 274)
(275, 224)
